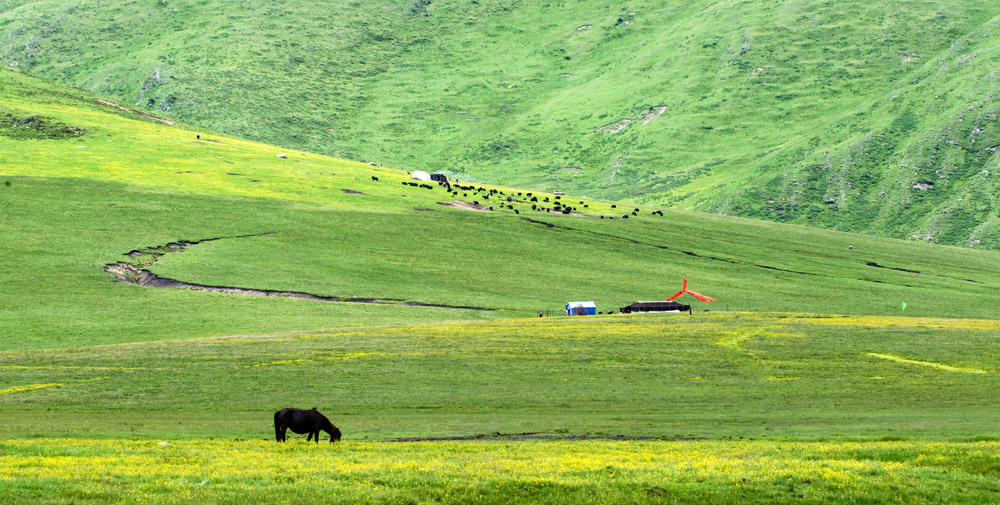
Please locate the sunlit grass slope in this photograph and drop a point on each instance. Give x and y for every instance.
(313, 224)
(854, 115)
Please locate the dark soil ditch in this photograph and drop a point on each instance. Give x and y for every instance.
(907, 270)
(552, 226)
(514, 437)
(910, 271)
(138, 273)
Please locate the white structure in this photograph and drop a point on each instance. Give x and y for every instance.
(420, 175)
(581, 309)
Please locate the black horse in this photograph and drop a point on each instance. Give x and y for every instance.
(302, 422)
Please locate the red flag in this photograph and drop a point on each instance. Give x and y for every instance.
(692, 293)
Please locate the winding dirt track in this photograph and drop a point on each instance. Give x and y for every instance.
(131, 273)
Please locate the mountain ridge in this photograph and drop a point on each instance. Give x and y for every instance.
(795, 113)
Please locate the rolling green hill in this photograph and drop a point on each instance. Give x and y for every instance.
(119, 182)
(864, 116)
(407, 313)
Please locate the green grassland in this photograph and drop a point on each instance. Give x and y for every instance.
(869, 406)
(74, 205)
(713, 376)
(68, 471)
(875, 117)
(741, 408)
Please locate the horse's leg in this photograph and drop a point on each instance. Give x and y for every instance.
(316, 436)
(279, 432)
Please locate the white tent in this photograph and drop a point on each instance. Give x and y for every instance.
(420, 175)
(581, 309)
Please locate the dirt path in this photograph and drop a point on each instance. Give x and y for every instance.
(143, 114)
(132, 273)
(515, 437)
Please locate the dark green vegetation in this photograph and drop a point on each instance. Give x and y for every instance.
(35, 127)
(853, 115)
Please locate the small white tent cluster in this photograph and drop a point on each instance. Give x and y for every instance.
(420, 175)
(581, 309)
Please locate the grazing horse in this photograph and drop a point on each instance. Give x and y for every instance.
(302, 422)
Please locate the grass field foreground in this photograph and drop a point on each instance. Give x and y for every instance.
(717, 375)
(214, 471)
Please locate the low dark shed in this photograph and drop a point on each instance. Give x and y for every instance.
(656, 307)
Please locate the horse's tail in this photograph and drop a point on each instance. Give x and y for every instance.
(277, 426)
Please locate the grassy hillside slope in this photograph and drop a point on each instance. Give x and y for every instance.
(311, 224)
(115, 392)
(862, 116)
(307, 223)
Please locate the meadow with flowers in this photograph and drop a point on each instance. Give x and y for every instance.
(807, 382)
(214, 471)
(722, 408)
